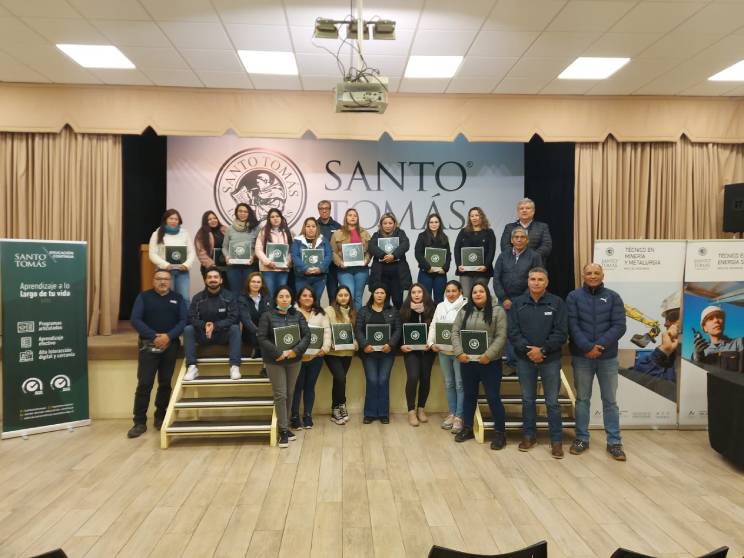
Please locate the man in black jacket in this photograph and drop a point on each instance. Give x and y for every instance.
(538, 328)
(213, 320)
(327, 226)
(539, 233)
(159, 316)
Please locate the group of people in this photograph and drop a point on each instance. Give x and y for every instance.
(263, 288)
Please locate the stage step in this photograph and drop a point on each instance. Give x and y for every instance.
(224, 402)
(516, 400)
(224, 380)
(225, 360)
(541, 423)
(240, 426)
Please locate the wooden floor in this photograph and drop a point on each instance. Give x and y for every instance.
(360, 490)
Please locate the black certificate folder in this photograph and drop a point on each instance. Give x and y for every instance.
(285, 338)
(378, 335)
(414, 335)
(474, 343)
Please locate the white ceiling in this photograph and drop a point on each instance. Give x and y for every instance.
(510, 46)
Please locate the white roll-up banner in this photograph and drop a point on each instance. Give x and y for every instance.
(713, 324)
(648, 276)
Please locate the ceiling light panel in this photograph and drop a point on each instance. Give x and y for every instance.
(269, 62)
(97, 56)
(432, 66)
(586, 67)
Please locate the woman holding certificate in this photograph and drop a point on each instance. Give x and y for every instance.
(388, 248)
(416, 315)
(238, 247)
(311, 256)
(378, 331)
(351, 255)
(171, 249)
(208, 243)
(478, 337)
(434, 257)
(284, 337)
(272, 251)
(440, 340)
(342, 317)
(312, 360)
(475, 248)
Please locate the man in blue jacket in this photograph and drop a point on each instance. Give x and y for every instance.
(596, 321)
(327, 227)
(538, 330)
(539, 233)
(159, 316)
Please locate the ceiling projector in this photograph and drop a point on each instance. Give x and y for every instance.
(362, 96)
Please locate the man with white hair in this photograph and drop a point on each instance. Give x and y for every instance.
(539, 233)
(720, 349)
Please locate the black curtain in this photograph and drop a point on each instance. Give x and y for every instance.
(549, 182)
(144, 191)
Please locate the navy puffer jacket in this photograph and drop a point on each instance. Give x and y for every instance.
(595, 317)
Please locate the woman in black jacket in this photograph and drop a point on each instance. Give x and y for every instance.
(477, 233)
(377, 363)
(283, 366)
(252, 303)
(389, 264)
(433, 277)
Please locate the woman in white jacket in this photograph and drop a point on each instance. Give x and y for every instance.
(171, 233)
(446, 312)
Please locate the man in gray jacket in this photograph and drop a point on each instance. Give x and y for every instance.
(539, 233)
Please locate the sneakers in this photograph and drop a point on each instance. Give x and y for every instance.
(192, 373)
(291, 436)
(385, 420)
(295, 423)
(617, 453)
(338, 418)
(308, 422)
(465, 434)
(448, 422)
(556, 450)
(263, 373)
(527, 444)
(157, 423)
(457, 426)
(578, 447)
(499, 441)
(412, 419)
(344, 412)
(235, 372)
(283, 439)
(137, 430)
(368, 420)
(422, 415)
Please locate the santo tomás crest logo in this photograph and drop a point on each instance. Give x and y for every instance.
(265, 180)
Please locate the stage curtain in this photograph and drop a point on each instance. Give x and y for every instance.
(67, 186)
(650, 190)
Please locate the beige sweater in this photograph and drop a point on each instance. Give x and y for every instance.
(331, 314)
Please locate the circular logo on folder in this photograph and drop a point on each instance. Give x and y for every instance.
(313, 338)
(388, 247)
(435, 258)
(343, 334)
(378, 336)
(415, 335)
(313, 259)
(176, 256)
(264, 179)
(473, 344)
(353, 252)
(276, 254)
(472, 258)
(239, 250)
(287, 339)
(446, 334)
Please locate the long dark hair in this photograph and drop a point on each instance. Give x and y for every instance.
(283, 227)
(251, 222)
(314, 307)
(202, 235)
(345, 226)
(470, 306)
(372, 290)
(317, 229)
(484, 224)
(163, 219)
(440, 237)
(407, 314)
(337, 307)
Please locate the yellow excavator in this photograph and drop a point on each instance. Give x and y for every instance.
(642, 340)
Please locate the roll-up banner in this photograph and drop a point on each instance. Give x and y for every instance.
(713, 323)
(45, 351)
(648, 275)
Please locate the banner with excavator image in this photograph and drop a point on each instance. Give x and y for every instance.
(648, 275)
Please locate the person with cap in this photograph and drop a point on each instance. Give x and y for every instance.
(659, 363)
(720, 350)
(596, 322)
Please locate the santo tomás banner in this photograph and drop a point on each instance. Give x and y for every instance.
(45, 351)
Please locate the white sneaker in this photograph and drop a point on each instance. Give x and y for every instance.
(192, 373)
(235, 372)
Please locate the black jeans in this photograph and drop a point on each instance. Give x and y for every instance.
(339, 367)
(148, 364)
(390, 277)
(305, 387)
(418, 373)
(489, 375)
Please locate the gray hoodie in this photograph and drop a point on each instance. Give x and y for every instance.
(496, 331)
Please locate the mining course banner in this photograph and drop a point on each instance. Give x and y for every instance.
(44, 326)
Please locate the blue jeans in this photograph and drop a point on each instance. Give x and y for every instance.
(474, 373)
(434, 283)
(305, 387)
(452, 383)
(584, 370)
(237, 275)
(273, 280)
(355, 278)
(181, 283)
(511, 356)
(550, 373)
(316, 283)
(377, 367)
(193, 337)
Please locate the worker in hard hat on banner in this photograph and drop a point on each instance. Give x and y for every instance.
(660, 362)
(719, 349)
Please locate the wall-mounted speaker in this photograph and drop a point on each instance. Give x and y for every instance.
(733, 208)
